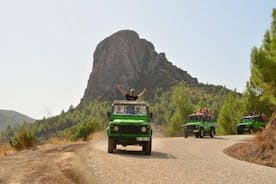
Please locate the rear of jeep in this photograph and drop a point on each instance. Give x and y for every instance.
(129, 125)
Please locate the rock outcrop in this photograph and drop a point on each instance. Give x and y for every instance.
(124, 58)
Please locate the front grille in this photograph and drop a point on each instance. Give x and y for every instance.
(191, 127)
(241, 127)
(130, 129)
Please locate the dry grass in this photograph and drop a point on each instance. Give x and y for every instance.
(261, 150)
(6, 150)
(97, 136)
(58, 141)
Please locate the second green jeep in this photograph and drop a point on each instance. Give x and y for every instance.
(129, 125)
(251, 124)
(199, 125)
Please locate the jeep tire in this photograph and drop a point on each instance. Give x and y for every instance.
(212, 132)
(185, 135)
(251, 131)
(147, 147)
(239, 132)
(201, 133)
(111, 145)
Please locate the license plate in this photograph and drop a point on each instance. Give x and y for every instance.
(142, 138)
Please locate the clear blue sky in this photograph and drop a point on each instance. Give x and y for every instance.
(46, 47)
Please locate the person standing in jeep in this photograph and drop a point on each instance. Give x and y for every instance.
(131, 95)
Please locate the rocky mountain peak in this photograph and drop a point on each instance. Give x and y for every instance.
(124, 58)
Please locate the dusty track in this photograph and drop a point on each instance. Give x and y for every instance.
(174, 160)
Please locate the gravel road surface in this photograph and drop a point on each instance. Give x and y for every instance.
(179, 161)
(173, 160)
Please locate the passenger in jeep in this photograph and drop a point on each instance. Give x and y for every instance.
(131, 95)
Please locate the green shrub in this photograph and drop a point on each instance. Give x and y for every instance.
(83, 130)
(23, 139)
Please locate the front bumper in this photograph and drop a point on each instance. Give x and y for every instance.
(130, 140)
(190, 131)
(242, 129)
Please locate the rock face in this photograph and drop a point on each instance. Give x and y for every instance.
(124, 58)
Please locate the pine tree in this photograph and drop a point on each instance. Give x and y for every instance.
(183, 107)
(263, 65)
(230, 113)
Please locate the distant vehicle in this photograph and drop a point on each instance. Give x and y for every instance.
(129, 125)
(250, 124)
(199, 125)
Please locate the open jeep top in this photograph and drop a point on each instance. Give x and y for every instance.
(128, 102)
(198, 117)
(250, 118)
(250, 124)
(129, 125)
(199, 125)
(129, 108)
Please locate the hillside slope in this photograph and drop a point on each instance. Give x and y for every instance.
(12, 118)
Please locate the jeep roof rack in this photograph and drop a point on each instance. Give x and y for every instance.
(253, 116)
(128, 102)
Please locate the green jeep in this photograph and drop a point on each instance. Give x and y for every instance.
(129, 125)
(250, 124)
(199, 125)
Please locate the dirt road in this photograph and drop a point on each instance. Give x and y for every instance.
(173, 160)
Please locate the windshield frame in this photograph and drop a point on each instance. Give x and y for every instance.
(130, 110)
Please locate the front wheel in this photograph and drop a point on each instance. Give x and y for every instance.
(201, 133)
(212, 132)
(111, 145)
(239, 132)
(185, 135)
(147, 147)
(251, 131)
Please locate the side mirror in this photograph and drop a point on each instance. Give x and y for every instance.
(108, 114)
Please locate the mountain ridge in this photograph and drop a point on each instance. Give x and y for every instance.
(12, 118)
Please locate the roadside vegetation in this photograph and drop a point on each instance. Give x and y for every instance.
(23, 139)
(262, 91)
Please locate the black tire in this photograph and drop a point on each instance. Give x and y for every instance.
(251, 130)
(185, 135)
(147, 148)
(239, 132)
(111, 145)
(212, 132)
(201, 133)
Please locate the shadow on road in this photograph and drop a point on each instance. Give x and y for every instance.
(140, 154)
(215, 138)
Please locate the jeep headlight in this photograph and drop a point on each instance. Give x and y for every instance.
(196, 126)
(115, 128)
(144, 129)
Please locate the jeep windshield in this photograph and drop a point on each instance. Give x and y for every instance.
(125, 109)
(249, 118)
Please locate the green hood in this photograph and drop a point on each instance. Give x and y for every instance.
(128, 121)
(193, 123)
(247, 123)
